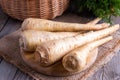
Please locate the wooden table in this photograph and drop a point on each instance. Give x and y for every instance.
(110, 71)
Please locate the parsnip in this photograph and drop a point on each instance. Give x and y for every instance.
(95, 21)
(47, 25)
(56, 69)
(49, 52)
(76, 59)
(31, 38)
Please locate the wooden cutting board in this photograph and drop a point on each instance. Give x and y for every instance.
(10, 51)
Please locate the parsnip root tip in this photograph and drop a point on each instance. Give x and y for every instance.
(95, 21)
(102, 26)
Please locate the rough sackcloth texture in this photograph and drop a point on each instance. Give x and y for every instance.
(10, 51)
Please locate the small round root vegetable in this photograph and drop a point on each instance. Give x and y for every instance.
(49, 52)
(76, 59)
(47, 25)
(31, 38)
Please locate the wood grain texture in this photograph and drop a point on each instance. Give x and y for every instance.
(7, 25)
(3, 19)
(109, 72)
(97, 75)
(7, 71)
(112, 69)
(0, 60)
(68, 17)
(115, 20)
(21, 76)
(10, 26)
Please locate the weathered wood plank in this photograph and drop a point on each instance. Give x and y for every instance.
(112, 69)
(21, 76)
(3, 19)
(7, 71)
(115, 20)
(109, 72)
(7, 25)
(98, 75)
(0, 60)
(11, 26)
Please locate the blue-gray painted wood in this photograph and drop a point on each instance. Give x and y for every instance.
(7, 71)
(22, 76)
(10, 26)
(3, 19)
(112, 69)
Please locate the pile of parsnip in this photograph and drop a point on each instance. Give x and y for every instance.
(71, 43)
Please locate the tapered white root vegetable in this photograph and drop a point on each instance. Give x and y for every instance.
(50, 52)
(76, 59)
(31, 38)
(56, 69)
(95, 21)
(47, 25)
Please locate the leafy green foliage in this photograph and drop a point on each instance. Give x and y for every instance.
(100, 8)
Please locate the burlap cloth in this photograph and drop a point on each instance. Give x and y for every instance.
(10, 51)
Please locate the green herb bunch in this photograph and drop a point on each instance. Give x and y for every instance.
(100, 8)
